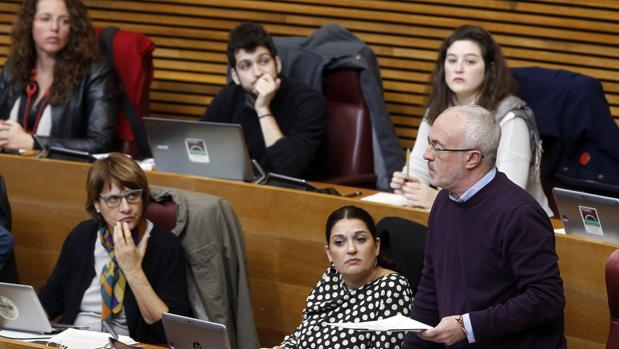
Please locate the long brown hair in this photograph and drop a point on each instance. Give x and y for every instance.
(498, 82)
(72, 62)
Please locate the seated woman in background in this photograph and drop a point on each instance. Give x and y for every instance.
(54, 89)
(356, 287)
(118, 267)
(470, 69)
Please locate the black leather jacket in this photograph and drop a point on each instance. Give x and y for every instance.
(87, 122)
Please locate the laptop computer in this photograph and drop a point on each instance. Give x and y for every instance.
(20, 309)
(199, 148)
(589, 215)
(185, 332)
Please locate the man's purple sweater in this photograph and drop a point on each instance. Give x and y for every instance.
(493, 257)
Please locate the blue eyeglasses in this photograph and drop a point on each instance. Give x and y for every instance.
(114, 200)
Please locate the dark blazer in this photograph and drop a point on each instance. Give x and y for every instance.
(577, 129)
(87, 122)
(163, 264)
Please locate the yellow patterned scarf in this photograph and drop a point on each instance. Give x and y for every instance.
(113, 282)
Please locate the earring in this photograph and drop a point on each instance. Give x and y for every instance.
(98, 211)
(332, 269)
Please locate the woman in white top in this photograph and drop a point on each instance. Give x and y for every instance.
(470, 69)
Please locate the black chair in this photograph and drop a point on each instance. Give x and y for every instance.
(8, 272)
(405, 242)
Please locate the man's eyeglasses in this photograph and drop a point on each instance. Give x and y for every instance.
(114, 200)
(437, 148)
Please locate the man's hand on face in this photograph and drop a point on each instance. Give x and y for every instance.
(265, 89)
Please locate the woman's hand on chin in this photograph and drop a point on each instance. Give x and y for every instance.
(129, 256)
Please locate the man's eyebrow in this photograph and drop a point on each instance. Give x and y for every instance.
(434, 141)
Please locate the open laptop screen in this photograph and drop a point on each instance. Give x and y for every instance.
(185, 332)
(589, 215)
(20, 309)
(199, 148)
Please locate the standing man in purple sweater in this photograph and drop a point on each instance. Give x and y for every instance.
(490, 277)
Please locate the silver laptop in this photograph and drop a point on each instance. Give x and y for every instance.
(199, 148)
(184, 332)
(589, 215)
(20, 309)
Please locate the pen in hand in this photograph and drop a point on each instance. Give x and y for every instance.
(406, 167)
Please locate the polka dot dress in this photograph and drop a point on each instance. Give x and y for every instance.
(332, 301)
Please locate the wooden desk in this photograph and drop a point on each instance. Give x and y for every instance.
(284, 241)
(6, 343)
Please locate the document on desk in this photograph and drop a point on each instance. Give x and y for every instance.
(23, 335)
(81, 339)
(387, 198)
(394, 323)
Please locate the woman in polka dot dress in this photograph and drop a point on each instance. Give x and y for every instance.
(357, 287)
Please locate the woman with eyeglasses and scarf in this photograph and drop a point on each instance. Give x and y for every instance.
(118, 267)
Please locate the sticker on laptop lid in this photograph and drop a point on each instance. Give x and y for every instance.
(8, 309)
(196, 150)
(591, 220)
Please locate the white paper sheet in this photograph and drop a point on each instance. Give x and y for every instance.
(394, 323)
(81, 339)
(387, 198)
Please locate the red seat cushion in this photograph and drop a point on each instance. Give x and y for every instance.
(612, 289)
(349, 132)
(162, 214)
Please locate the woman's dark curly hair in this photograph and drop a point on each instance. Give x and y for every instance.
(72, 62)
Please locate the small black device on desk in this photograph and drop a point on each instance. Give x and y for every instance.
(279, 180)
(69, 154)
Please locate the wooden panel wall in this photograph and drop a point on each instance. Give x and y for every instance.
(578, 35)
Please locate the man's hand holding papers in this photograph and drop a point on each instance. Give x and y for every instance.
(395, 323)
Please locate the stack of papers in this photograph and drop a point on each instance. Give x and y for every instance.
(394, 323)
